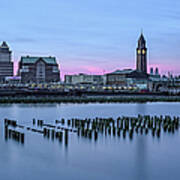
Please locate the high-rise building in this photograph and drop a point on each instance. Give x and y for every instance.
(38, 69)
(6, 65)
(141, 62)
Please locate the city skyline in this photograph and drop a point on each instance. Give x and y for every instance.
(93, 37)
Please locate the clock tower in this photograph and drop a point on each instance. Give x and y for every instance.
(141, 62)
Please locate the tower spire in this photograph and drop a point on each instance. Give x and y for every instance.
(141, 61)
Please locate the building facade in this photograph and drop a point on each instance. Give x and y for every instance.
(38, 69)
(141, 61)
(84, 79)
(6, 65)
(127, 77)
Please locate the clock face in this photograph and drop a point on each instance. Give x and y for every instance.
(144, 52)
(139, 51)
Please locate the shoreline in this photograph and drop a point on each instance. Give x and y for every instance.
(87, 99)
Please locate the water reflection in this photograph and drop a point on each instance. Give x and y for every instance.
(108, 146)
(141, 108)
(141, 159)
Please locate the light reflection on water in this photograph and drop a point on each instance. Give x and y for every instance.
(108, 158)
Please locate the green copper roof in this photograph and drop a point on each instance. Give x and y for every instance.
(32, 60)
(125, 71)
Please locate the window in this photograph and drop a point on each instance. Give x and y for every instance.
(40, 71)
(25, 69)
(55, 69)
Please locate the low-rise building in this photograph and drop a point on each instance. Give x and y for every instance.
(127, 77)
(6, 65)
(13, 79)
(38, 69)
(85, 79)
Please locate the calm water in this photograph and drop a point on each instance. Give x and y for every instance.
(108, 158)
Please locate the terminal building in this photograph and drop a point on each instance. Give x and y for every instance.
(130, 77)
(6, 65)
(38, 69)
(126, 77)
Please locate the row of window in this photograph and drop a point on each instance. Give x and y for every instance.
(54, 69)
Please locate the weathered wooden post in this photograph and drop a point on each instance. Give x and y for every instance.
(131, 134)
(73, 122)
(45, 132)
(95, 135)
(6, 132)
(48, 133)
(119, 132)
(10, 133)
(22, 138)
(109, 131)
(124, 133)
(69, 122)
(66, 137)
(60, 136)
(78, 132)
(52, 134)
(62, 121)
(34, 121)
(114, 131)
(90, 134)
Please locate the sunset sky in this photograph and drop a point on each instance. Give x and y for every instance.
(93, 36)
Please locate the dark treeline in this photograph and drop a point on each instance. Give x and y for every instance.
(89, 99)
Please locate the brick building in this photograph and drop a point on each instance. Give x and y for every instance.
(38, 69)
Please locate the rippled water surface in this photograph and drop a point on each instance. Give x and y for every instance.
(143, 157)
